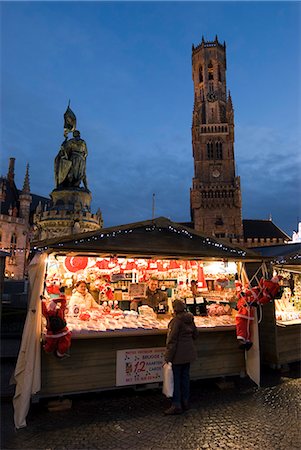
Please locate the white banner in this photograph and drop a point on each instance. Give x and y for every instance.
(139, 365)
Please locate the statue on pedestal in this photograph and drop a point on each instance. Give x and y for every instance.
(70, 162)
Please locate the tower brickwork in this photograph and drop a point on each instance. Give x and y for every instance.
(215, 197)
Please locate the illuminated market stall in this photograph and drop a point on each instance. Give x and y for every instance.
(113, 345)
(280, 328)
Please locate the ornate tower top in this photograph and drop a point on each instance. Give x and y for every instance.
(208, 44)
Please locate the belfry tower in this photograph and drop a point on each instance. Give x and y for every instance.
(215, 197)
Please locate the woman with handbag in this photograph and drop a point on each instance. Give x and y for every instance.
(180, 351)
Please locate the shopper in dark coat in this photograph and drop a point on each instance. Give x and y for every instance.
(180, 351)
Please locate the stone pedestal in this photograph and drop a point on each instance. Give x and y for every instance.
(73, 200)
(69, 213)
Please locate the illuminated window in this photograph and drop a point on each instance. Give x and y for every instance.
(210, 71)
(13, 249)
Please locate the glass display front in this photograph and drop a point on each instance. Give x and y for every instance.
(107, 294)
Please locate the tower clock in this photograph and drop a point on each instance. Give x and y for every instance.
(215, 197)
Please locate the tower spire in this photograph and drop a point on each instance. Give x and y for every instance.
(26, 184)
(11, 171)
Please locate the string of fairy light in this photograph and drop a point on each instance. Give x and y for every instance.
(154, 228)
(283, 260)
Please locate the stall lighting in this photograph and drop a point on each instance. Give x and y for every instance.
(205, 241)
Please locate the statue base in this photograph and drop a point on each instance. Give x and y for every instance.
(73, 199)
(69, 214)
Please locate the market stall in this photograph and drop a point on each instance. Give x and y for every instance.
(280, 328)
(114, 346)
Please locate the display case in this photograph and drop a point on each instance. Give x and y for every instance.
(280, 328)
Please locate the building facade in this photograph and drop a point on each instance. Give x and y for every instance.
(16, 221)
(215, 197)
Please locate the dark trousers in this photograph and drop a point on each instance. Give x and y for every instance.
(181, 384)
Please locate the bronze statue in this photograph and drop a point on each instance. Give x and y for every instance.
(70, 162)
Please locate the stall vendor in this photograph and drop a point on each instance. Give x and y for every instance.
(82, 298)
(154, 297)
(200, 308)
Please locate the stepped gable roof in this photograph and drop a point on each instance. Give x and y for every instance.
(253, 228)
(158, 237)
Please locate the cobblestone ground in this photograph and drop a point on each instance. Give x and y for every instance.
(233, 415)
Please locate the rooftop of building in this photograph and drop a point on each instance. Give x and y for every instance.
(261, 229)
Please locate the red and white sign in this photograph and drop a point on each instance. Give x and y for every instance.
(139, 366)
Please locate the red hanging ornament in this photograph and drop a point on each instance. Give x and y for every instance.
(76, 263)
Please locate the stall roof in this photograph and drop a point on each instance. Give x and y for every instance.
(285, 254)
(159, 237)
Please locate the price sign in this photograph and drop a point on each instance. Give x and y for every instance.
(190, 301)
(137, 290)
(139, 365)
(199, 300)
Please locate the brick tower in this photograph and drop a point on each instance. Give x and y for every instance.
(215, 197)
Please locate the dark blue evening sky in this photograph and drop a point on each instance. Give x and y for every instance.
(126, 66)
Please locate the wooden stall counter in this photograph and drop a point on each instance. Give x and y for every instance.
(280, 341)
(92, 364)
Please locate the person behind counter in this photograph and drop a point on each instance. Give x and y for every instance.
(154, 296)
(180, 351)
(199, 309)
(81, 298)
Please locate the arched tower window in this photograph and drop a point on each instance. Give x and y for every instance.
(219, 73)
(219, 150)
(210, 150)
(200, 74)
(210, 71)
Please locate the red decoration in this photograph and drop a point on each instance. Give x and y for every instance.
(248, 299)
(84, 316)
(174, 265)
(76, 263)
(201, 278)
(103, 264)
